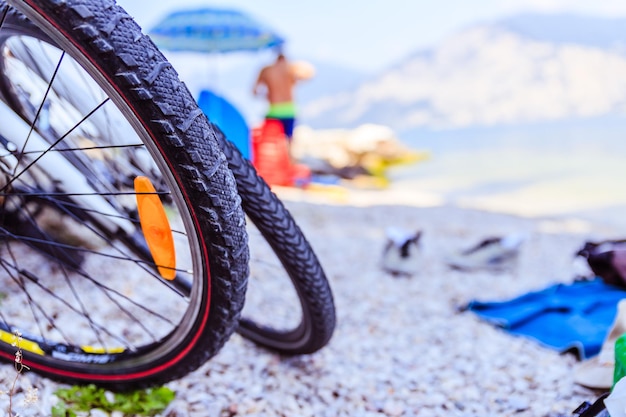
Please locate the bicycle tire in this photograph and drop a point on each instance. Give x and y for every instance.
(110, 46)
(279, 229)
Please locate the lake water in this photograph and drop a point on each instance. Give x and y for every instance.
(562, 168)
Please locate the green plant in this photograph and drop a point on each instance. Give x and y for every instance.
(84, 398)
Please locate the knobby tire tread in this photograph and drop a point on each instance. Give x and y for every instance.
(279, 229)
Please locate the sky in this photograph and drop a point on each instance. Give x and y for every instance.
(369, 35)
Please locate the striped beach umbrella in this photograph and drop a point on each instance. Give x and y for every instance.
(213, 30)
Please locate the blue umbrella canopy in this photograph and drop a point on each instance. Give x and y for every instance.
(213, 30)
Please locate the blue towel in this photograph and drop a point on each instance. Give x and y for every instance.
(566, 317)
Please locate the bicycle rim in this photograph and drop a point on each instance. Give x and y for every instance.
(104, 249)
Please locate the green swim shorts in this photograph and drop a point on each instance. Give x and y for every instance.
(282, 110)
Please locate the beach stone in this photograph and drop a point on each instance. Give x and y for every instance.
(401, 347)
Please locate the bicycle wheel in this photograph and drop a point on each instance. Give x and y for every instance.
(123, 249)
(293, 320)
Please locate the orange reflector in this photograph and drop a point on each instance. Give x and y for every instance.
(156, 228)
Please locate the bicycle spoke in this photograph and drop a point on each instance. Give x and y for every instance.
(32, 127)
(62, 194)
(87, 148)
(32, 163)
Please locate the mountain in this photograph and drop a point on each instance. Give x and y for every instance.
(523, 69)
(600, 32)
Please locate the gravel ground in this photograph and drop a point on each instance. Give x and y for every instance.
(401, 347)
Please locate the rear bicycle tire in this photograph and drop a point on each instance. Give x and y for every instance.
(296, 256)
(104, 39)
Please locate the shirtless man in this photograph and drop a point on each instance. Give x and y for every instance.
(278, 80)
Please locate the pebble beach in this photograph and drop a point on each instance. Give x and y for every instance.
(402, 346)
